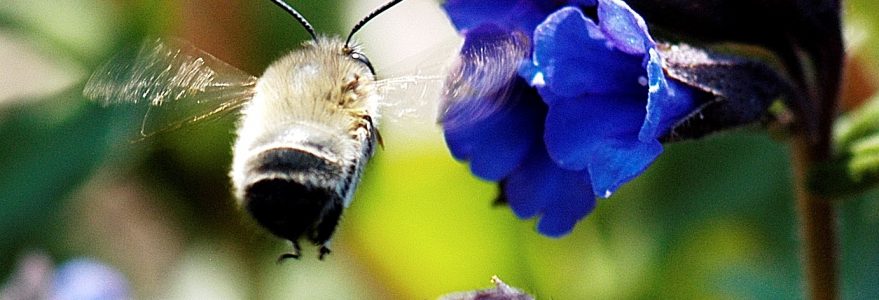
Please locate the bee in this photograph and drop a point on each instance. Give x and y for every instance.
(307, 128)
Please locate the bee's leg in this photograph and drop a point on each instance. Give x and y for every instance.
(295, 254)
(325, 228)
(324, 250)
(378, 135)
(364, 125)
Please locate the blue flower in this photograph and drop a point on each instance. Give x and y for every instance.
(85, 278)
(585, 114)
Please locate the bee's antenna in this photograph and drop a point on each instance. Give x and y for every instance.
(298, 17)
(373, 14)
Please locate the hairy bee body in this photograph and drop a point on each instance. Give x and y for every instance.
(304, 140)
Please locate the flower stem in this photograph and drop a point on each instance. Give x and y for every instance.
(817, 221)
(821, 36)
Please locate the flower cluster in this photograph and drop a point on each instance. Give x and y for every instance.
(589, 106)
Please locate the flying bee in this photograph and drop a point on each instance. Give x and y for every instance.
(308, 125)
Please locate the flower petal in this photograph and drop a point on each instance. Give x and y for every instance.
(539, 186)
(573, 58)
(509, 14)
(668, 101)
(619, 162)
(495, 145)
(624, 27)
(575, 202)
(577, 127)
(599, 133)
(583, 3)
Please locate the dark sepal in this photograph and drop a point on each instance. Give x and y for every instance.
(734, 89)
(805, 34)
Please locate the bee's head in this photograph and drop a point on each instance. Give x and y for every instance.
(350, 51)
(356, 54)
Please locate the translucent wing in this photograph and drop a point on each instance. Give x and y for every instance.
(411, 87)
(480, 82)
(410, 97)
(176, 83)
(459, 84)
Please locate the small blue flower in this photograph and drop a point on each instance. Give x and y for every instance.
(585, 115)
(85, 278)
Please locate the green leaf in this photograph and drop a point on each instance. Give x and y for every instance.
(855, 168)
(49, 149)
(857, 125)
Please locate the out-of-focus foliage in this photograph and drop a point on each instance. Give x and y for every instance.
(710, 219)
(856, 165)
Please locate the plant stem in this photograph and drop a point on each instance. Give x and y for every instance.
(817, 221)
(820, 36)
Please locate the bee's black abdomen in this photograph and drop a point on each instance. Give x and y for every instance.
(285, 208)
(294, 193)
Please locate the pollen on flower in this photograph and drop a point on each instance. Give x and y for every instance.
(654, 88)
(537, 80)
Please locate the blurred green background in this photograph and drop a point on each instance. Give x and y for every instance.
(710, 219)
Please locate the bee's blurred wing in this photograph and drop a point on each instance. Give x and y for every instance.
(481, 80)
(177, 83)
(412, 87)
(410, 98)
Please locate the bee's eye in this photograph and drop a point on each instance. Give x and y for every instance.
(363, 59)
